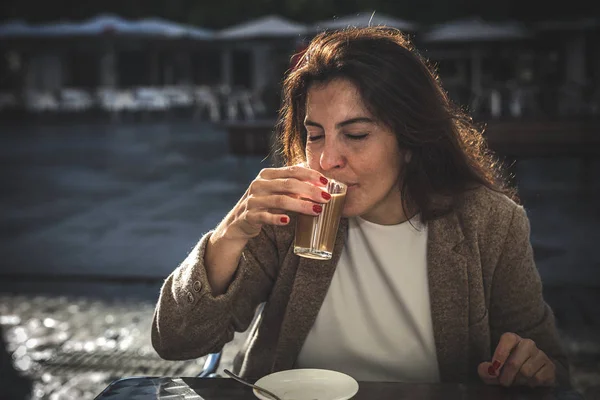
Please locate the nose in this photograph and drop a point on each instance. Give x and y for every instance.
(332, 156)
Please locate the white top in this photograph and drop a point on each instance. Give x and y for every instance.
(375, 323)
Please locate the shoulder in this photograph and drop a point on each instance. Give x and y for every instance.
(485, 211)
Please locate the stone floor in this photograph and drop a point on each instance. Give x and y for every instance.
(72, 347)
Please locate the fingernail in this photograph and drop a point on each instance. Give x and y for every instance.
(326, 195)
(317, 208)
(496, 364)
(491, 370)
(284, 220)
(324, 180)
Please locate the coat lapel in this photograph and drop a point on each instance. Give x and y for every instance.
(312, 281)
(449, 296)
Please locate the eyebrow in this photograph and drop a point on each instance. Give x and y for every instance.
(342, 124)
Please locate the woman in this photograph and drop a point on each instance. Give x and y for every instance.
(432, 278)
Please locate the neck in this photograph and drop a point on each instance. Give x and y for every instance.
(390, 215)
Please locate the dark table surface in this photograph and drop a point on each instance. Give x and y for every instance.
(146, 388)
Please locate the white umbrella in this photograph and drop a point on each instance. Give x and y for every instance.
(91, 27)
(366, 19)
(161, 27)
(475, 30)
(272, 26)
(105, 23)
(14, 29)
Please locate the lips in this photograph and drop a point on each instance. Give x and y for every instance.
(348, 184)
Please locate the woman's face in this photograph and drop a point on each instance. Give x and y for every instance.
(346, 143)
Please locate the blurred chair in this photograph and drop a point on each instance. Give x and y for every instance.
(40, 101)
(205, 98)
(75, 100)
(178, 96)
(244, 99)
(258, 103)
(113, 100)
(213, 360)
(229, 99)
(209, 370)
(151, 99)
(241, 103)
(523, 100)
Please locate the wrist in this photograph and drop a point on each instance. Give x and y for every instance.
(228, 236)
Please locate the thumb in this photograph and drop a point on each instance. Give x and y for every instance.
(486, 377)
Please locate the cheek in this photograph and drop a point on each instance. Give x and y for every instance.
(357, 202)
(312, 160)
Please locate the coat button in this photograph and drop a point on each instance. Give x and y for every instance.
(197, 286)
(190, 297)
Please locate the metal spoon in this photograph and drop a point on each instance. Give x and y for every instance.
(240, 380)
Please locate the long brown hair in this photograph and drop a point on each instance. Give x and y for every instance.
(402, 90)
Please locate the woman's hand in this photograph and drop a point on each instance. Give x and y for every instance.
(518, 361)
(274, 193)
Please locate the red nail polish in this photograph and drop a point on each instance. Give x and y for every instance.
(317, 208)
(496, 364)
(284, 220)
(491, 370)
(326, 195)
(324, 180)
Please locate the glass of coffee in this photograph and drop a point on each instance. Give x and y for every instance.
(315, 236)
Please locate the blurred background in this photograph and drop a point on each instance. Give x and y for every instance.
(130, 128)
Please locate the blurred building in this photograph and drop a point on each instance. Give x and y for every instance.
(115, 65)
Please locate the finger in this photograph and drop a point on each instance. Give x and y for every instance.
(530, 368)
(546, 376)
(283, 202)
(296, 171)
(507, 343)
(524, 350)
(299, 189)
(483, 370)
(289, 186)
(276, 211)
(257, 218)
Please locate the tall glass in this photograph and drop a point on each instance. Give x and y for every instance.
(315, 236)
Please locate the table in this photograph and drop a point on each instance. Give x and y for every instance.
(167, 388)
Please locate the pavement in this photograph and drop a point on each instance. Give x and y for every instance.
(95, 216)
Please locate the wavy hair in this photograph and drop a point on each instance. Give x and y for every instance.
(401, 90)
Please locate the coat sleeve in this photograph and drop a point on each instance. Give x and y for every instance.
(517, 304)
(189, 322)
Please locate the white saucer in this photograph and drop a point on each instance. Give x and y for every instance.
(308, 384)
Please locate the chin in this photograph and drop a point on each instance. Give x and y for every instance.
(350, 211)
(355, 203)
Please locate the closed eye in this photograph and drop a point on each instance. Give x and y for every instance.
(357, 137)
(314, 138)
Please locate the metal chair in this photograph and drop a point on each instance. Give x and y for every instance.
(209, 370)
